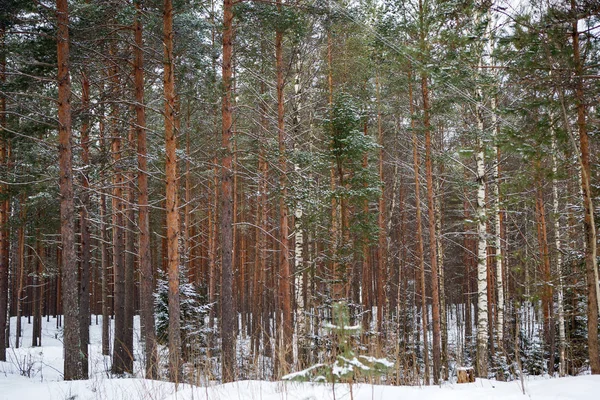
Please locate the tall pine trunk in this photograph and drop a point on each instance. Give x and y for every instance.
(104, 253)
(227, 310)
(382, 248)
(84, 288)
(171, 195)
(547, 303)
(20, 268)
(38, 284)
(591, 263)
(144, 256)
(130, 236)
(4, 233)
(435, 298)
(419, 233)
(284, 255)
(120, 353)
(72, 338)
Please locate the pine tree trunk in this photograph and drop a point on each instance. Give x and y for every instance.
(212, 251)
(437, 339)
(547, 303)
(238, 272)
(591, 262)
(72, 336)
(214, 206)
(84, 290)
(382, 243)
(4, 215)
(144, 256)
(261, 239)
(261, 251)
(20, 271)
(171, 195)
(118, 220)
(419, 233)
(187, 209)
(38, 283)
(130, 236)
(559, 259)
(366, 290)
(227, 310)
(284, 256)
(104, 250)
(335, 275)
(395, 244)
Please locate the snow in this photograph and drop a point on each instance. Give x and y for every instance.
(44, 381)
(383, 361)
(301, 374)
(331, 326)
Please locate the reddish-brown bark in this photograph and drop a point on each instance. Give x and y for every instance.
(120, 353)
(227, 311)
(85, 252)
(144, 256)
(171, 194)
(284, 251)
(4, 208)
(419, 233)
(588, 223)
(72, 355)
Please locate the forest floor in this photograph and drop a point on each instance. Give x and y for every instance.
(36, 374)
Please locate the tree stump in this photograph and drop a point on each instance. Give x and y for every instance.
(466, 375)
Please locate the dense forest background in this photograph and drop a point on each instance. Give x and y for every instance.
(281, 186)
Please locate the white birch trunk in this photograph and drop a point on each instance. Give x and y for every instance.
(557, 239)
(497, 241)
(300, 328)
(482, 303)
(481, 215)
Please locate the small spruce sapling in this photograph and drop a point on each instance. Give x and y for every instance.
(194, 309)
(345, 366)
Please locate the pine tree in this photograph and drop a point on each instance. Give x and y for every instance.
(173, 258)
(146, 269)
(227, 316)
(73, 368)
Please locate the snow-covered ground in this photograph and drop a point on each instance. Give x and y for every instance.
(43, 381)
